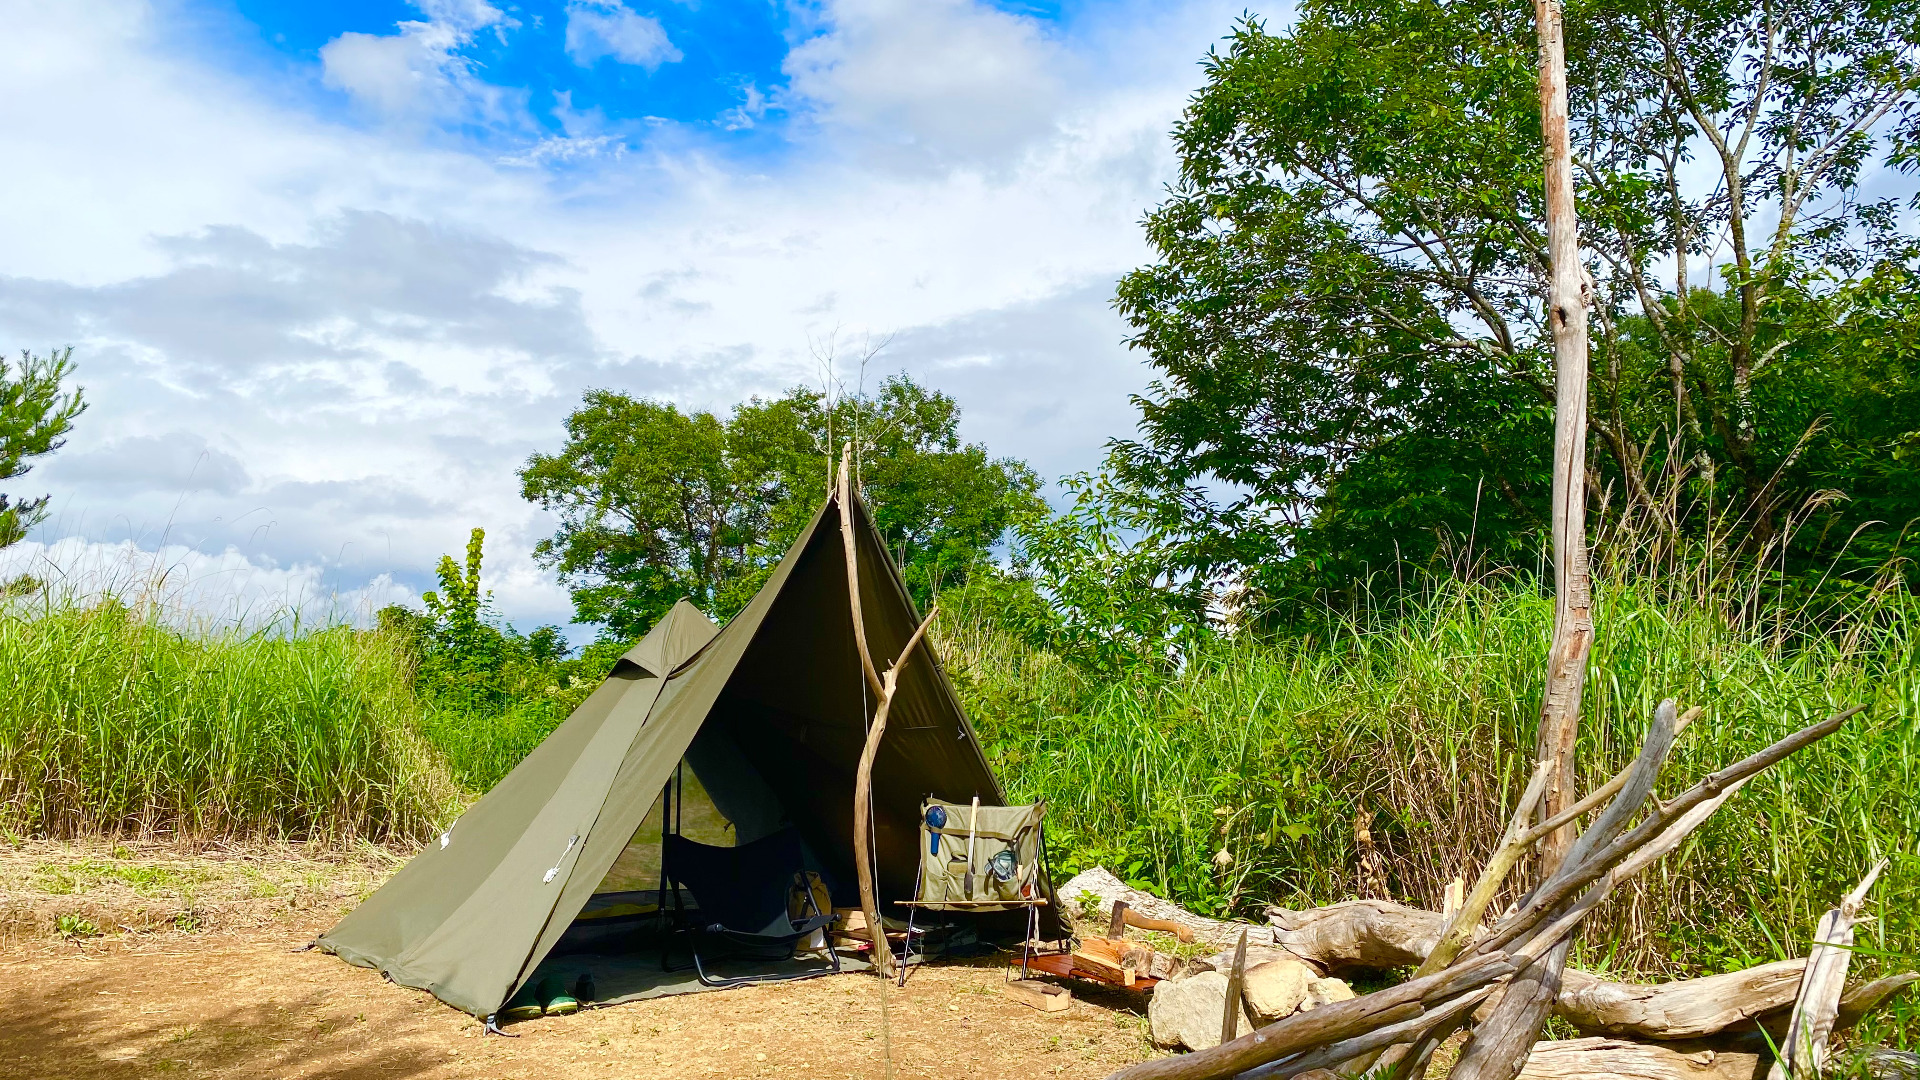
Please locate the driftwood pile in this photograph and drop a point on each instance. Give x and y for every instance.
(1501, 978)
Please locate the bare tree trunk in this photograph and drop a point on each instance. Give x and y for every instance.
(1567, 314)
(1499, 1047)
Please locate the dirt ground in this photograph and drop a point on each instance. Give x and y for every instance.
(180, 963)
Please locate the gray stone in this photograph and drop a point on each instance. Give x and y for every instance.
(1276, 988)
(1188, 1012)
(1326, 992)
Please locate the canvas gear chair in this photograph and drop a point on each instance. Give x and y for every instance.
(976, 858)
(740, 896)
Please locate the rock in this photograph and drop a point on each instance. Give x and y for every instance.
(1326, 992)
(1256, 955)
(1276, 988)
(1188, 1012)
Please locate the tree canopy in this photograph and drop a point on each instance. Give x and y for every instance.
(656, 503)
(1344, 313)
(37, 411)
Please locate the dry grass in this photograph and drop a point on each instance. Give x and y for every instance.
(86, 889)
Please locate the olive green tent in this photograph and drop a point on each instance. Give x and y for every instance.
(770, 712)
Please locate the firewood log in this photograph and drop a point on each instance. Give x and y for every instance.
(1597, 1058)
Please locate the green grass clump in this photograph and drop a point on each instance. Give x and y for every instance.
(481, 746)
(1422, 727)
(116, 723)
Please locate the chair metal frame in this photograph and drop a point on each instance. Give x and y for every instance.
(771, 943)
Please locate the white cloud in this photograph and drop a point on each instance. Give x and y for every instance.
(189, 587)
(932, 79)
(560, 150)
(418, 71)
(597, 29)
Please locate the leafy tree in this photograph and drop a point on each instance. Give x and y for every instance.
(656, 504)
(465, 657)
(36, 412)
(1345, 312)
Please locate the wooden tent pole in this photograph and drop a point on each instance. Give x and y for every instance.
(853, 570)
(863, 804)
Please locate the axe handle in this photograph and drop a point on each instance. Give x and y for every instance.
(1134, 918)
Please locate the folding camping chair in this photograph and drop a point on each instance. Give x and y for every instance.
(976, 858)
(740, 897)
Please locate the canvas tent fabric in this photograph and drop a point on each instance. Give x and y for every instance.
(770, 712)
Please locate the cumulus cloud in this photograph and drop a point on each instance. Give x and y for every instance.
(193, 588)
(176, 461)
(931, 80)
(597, 29)
(418, 71)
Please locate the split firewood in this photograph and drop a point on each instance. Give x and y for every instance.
(1044, 996)
(1115, 961)
(1818, 1004)
(1587, 1059)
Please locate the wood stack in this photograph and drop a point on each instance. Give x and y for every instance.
(1507, 977)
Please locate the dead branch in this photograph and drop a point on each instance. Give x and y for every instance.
(1372, 1042)
(1583, 1059)
(1821, 984)
(1326, 1025)
(882, 955)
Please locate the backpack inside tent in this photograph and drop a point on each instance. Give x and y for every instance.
(763, 722)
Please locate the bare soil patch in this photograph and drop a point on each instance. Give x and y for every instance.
(235, 1000)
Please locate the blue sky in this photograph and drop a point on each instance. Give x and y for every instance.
(332, 271)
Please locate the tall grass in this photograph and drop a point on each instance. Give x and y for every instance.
(114, 722)
(1422, 727)
(481, 746)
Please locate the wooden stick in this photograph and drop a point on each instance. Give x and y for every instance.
(1518, 837)
(1818, 1004)
(1236, 987)
(853, 571)
(1459, 931)
(1378, 1039)
(882, 956)
(1565, 886)
(1604, 791)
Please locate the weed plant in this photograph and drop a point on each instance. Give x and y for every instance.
(116, 723)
